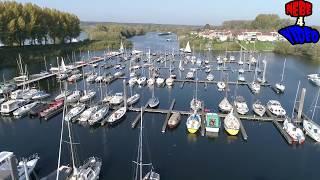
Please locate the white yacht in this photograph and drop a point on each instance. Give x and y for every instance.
(92, 77)
(280, 86)
(190, 75)
(63, 94)
(142, 81)
(151, 81)
(294, 132)
(275, 108)
(88, 95)
(117, 115)
(99, 115)
(169, 81)
(75, 111)
(133, 99)
(210, 77)
(160, 81)
(11, 105)
(74, 97)
(221, 85)
(258, 108)
(225, 105)
(132, 81)
(241, 105)
(24, 109)
(255, 87)
(116, 99)
(85, 115)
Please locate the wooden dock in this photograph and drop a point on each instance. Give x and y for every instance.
(164, 126)
(215, 82)
(54, 74)
(136, 120)
(282, 132)
(203, 120)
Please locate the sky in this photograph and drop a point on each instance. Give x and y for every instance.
(189, 12)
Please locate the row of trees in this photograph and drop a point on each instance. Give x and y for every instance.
(21, 23)
(261, 22)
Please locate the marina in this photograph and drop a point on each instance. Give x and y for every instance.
(105, 140)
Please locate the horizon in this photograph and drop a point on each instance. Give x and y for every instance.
(145, 12)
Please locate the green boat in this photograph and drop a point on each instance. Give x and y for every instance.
(213, 122)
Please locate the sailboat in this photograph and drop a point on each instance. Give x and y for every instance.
(75, 111)
(181, 68)
(87, 94)
(153, 101)
(187, 49)
(311, 128)
(231, 124)
(280, 86)
(90, 170)
(293, 130)
(170, 80)
(151, 175)
(221, 84)
(254, 85)
(196, 104)
(22, 74)
(193, 122)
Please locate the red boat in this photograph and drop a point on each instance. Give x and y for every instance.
(53, 108)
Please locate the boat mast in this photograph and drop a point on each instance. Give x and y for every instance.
(140, 145)
(61, 134)
(196, 84)
(284, 65)
(295, 100)
(72, 151)
(315, 106)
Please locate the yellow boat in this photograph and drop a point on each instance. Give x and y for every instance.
(193, 123)
(231, 124)
(233, 132)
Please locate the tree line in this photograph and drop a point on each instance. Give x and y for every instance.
(21, 23)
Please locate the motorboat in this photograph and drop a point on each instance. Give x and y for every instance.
(99, 115)
(85, 115)
(108, 78)
(142, 81)
(92, 77)
(133, 99)
(293, 131)
(88, 95)
(74, 97)
(195, 104)
(117, 115)
(169, 81)
(118, 74)
(40, 95)
(232, 58)
(153, 102)
(190, 75)
(99, 79)
(151, 81)
(160, 81)
(24, 109)
(280, 87)
(231, 124)
(74, 77)
(312, 129)
(63, 94)
(210, 77)
(255, 87)
(225, 105)
(258, 108)
(241, 78)
(275, 108)
(221, 85)
(11, 105)
(132, 81)
(174, 120)
(213, 123)
(75, 111)
(116, 99)
(241, 105)
(53, 108)
(193, 123)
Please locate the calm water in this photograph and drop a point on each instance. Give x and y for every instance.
(176, 154)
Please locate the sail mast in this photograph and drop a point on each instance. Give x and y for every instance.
(295, 100)
(315, 106)
(140, 145)
(284, 65)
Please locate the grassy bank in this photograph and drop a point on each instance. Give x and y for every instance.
(310, 51)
